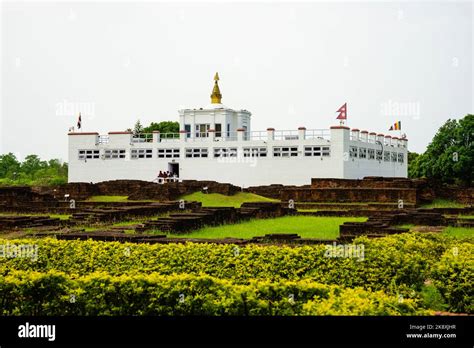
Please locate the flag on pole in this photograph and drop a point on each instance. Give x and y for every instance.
(396, 126)
(342, 112)
(79, 122)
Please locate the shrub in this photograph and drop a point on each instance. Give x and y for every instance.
(395, 264)
(453, 275)
(51, 293)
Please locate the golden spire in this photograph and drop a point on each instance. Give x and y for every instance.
(216, 95)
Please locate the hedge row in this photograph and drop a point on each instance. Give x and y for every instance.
(398, 264)
(401, 259)
(55, 293)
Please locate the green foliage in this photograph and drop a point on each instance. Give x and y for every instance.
(138, 128)
(453, 275)
(162, 127)
(412, 160)
(432, 298)
(450, 156)
(397, 265)
(360, 302)
(459, 232)
(32, 171)
(55, 293)
(8, 165)
(443, 203)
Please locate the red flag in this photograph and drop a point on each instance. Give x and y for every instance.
(342, 112)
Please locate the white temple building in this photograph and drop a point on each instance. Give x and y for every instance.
(217, 143)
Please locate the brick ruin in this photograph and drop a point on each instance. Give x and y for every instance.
(52, 198)
(381, 223)
(368, 190)
(136, 189)
(377, 198)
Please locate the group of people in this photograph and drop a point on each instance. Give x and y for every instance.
(166, 174)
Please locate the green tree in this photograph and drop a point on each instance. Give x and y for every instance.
(32, 171)
(163, 127)
(138, 128)
(450, 155)
(412, 164)
(8, 165)
(32, 164)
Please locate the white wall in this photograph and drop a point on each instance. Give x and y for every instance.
(241, 171)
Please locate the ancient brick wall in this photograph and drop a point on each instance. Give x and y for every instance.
(367, 182)
(371, 189)
(134, 189)
(381, 195)
(271, 191)
(462, 195)
(13, 195)
(78, 191)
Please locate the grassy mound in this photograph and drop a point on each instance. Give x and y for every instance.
(304, 226)
(218, 200)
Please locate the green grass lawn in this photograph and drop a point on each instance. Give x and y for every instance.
(466, 216)
(443, 203)
(218, 200)
(207, 200)
(60, 216)
(409, 226)
(107, 199)
(459, 232)
(304, 226)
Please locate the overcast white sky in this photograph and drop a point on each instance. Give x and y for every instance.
(289, 64)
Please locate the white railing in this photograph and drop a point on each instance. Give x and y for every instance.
(286, 135)
(318, 134)
(258, 135)
(142, 138)
(165, 137)
(263, 136)
(225, 136)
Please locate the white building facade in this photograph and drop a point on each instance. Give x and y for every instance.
(217, 143)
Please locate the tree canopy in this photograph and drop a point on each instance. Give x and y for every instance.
(32, 171)
(449, 157)
(163, 127)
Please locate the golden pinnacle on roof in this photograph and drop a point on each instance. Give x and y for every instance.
(216, 95)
